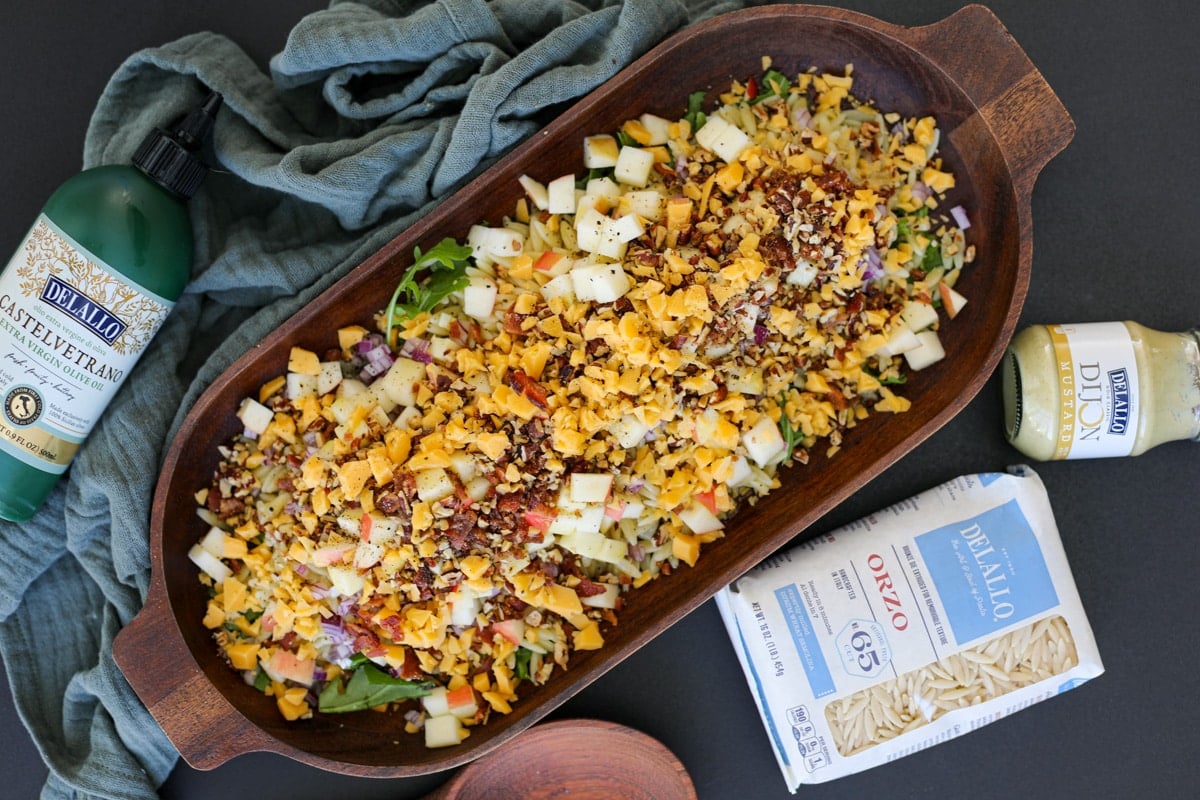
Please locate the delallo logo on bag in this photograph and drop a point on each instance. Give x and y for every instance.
(83, 309)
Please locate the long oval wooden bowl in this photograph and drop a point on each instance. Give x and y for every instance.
(1001, 123)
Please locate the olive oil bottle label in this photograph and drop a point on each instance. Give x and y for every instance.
(1097, 390)
(71, 329)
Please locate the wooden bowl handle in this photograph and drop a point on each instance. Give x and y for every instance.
(195, 717)
(1027, 119)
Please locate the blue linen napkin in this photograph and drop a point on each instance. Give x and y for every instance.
(373, 112)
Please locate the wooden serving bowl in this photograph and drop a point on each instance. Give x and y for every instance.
(1001, 123)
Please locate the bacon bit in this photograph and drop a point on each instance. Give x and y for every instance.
(520, 382)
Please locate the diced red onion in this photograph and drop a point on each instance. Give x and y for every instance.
(801, 116)
(760, 334)
(921, 191)
(872, 265)
(417, 350)
(960, 217)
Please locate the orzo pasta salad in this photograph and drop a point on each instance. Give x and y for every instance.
(571, 403)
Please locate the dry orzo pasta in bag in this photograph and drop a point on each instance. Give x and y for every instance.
(911, 626)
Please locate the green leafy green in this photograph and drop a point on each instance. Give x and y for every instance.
(521, 667)
(792, 437)
(369, 686)
(625, 140)
(592, 174)
(262, 680)
(932, 259)
(774, 84)
(694, 115)
(447, 264)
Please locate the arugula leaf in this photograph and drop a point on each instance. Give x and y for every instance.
(792, 437)
(694, 115)
(447, 264)
(932, 259)
(521, 667)
(774, 84)
(369, 686)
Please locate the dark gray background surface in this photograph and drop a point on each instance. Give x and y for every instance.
(1116, 230)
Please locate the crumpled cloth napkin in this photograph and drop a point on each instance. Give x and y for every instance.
(373, 112)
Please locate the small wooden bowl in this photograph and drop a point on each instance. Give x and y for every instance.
(1001, 123)
(580, 759)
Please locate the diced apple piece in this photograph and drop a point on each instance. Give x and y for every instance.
(441, 702)
(699, 519)
(346, 580)
(433, 484)
(367, 554)
(603, 187)
(254, 415)
(589, 230)
(479, 298)
(286, 665)
(929, 351)
(561, 193)
(511, 629)
(595, 546)
(726, 140)
(444, 731)
(539, 195)
(917, 315)
(210, 564)
(601, 283)
(629, 431)
(384, 530)
(299, 386)
(329, 377)
(899, 341)
(633, 166)
(763, 442)
(589, 487)
(401, 379)
(488, 243)
(741, 472)
(658, 128)
(588, 519)
(606, 599)
(646, 203)
(626, 228)
(952, 301)
(331, 554)
(600, 151)
(803, 273)
(214, 541)
(548, 260)
(464, 605)
(561, 286)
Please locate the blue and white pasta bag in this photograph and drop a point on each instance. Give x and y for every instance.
(908, 627)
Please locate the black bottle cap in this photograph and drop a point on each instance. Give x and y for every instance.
(172, 158)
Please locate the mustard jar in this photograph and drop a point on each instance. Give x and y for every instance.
(1099, 390)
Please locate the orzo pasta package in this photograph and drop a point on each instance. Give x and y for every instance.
(911, 626)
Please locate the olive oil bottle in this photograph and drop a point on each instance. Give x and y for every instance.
(98, 272)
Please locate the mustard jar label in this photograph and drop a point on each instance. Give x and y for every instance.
(1097, 390)
(71, 329)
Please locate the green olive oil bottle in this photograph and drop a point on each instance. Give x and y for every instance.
(87, 289)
